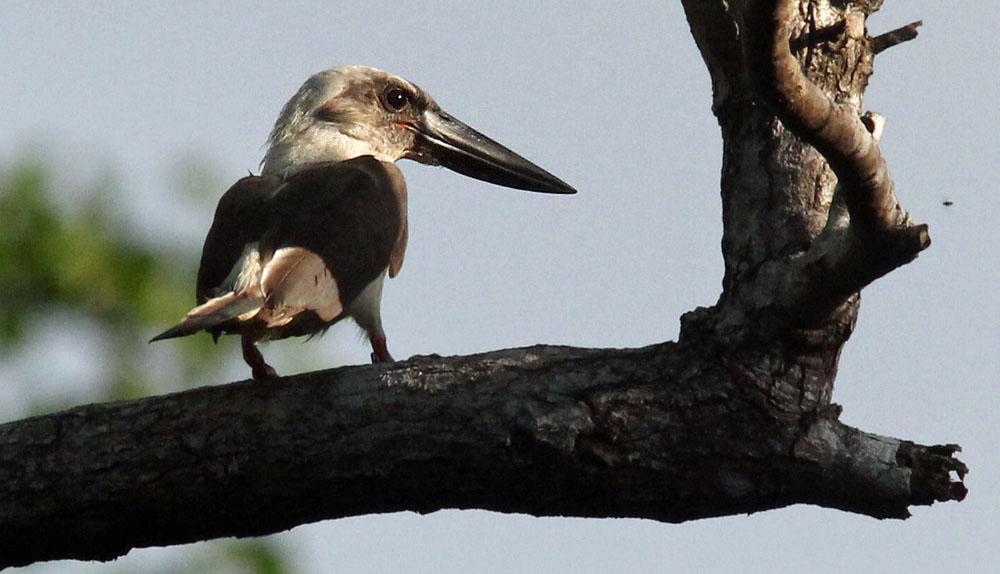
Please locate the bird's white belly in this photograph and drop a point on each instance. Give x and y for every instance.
(366, 308)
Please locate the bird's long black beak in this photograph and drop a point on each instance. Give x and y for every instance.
(441, 139)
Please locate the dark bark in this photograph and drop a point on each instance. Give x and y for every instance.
(735, 417)
(671, 432)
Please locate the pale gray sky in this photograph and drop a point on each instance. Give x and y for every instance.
(616, 102)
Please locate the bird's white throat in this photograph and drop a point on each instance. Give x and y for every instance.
(316, 143)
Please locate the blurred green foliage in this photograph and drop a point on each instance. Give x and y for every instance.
(78, 258)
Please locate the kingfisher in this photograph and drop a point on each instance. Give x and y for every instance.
(311, 239)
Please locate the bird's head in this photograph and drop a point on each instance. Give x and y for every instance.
(351, 111)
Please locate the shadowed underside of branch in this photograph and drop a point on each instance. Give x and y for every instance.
(736, 417)
(663, 432)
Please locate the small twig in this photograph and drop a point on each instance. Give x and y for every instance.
(902, 34)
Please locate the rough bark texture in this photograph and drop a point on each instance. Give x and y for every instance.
(735, 417)
(671, 432)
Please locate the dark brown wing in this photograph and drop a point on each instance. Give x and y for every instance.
(399, 250)
(242, 217)
(348, 213)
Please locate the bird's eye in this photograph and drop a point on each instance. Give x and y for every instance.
(396, 99)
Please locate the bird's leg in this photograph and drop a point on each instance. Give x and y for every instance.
(380, 351)
(252, 356)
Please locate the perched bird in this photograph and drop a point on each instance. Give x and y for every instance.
(310, 240)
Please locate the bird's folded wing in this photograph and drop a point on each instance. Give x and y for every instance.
(241, 218)
(297, 280)
(334, 226)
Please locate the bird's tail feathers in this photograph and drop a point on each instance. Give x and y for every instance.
(211, 313)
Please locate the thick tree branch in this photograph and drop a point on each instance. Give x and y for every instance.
(880, 236)
(663, 432)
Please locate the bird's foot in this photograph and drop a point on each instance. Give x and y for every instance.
(258, 368)
(263, 372)
(380, 351)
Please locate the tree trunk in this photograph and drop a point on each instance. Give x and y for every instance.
(734, 417)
